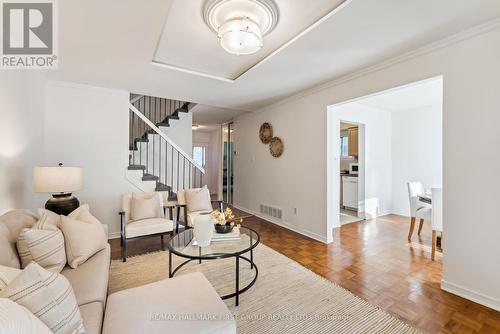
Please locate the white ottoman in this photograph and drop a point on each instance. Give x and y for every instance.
(184, 304)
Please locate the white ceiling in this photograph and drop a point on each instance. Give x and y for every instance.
(208, 115)
(195, 47)
(419, 95)
(107, 44)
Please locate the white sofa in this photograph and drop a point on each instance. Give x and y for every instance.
(127, 311)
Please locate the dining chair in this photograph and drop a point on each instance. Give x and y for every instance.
(437, 218)
(418, 209)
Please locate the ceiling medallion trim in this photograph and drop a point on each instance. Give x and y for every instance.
(240, 25)
(269, 6)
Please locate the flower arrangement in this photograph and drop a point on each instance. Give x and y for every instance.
(225, 219)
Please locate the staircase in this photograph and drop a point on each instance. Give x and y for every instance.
(156, 162)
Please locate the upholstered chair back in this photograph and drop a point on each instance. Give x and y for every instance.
(415, 189)
(127, 201)
(11, 224)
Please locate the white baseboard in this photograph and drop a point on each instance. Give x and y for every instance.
(286, 225)
(471, 295)
(113, 235)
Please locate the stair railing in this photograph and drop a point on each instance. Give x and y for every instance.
(160, 157)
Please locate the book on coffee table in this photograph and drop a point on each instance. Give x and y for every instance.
(233, 235)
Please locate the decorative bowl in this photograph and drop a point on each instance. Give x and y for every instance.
(223, 228)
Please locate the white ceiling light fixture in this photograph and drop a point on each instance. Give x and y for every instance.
(241, 25)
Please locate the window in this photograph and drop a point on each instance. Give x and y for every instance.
(344, 146)
(199, 155)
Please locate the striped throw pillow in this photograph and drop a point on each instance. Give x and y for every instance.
(48, 220)
(49, 296)
(15, 318)
(45, 247)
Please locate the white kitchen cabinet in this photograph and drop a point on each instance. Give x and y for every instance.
(350, 192)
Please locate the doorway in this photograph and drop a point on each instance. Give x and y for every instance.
(401, 129)
(349, 165)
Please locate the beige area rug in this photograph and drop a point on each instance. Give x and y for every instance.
(286, 298)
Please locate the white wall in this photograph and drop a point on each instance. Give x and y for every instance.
(417, 153)
(470, 68)
(88, 127)
(21, 136)
(180, 132)
(210, 140)
(375, 156)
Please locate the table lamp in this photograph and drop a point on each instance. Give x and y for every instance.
(60, 181)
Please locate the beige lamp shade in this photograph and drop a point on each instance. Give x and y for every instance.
(58, 179)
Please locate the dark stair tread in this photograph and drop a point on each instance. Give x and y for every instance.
(162, 187)
(173, 116)
(162, 124)
(136, 167)
(150, 177)
(142, 140)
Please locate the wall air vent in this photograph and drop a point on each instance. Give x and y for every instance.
(270, 211)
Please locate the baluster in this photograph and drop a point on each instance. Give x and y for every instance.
(131, 140)
(159, 159)
(178, 167)
(184, 173)
(172, 167)
(166, 163)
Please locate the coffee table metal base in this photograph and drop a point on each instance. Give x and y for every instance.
(238, 290)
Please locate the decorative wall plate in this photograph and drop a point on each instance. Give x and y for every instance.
(276, 147)
(266, 132)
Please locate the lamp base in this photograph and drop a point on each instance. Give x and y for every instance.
(62, 204)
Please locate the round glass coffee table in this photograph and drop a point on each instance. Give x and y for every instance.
(184, 245)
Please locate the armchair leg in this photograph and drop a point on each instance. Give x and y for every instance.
(420, 226)
(412, 226)
(433, 252)
(185, 219)
(176, 226)
(124, 250)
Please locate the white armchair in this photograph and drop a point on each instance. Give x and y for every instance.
(147, 221)
(418, 209)
(189, 210)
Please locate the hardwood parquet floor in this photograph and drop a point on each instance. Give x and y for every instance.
(373, 260)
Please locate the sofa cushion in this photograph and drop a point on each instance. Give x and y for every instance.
(82, 240)
(148, 227)
(90, 280)
(92, 315)
(11, 224)
(42, 246)
(145, 309)
(48, 296)
(15, 318)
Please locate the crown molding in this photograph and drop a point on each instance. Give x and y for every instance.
(432, 47)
